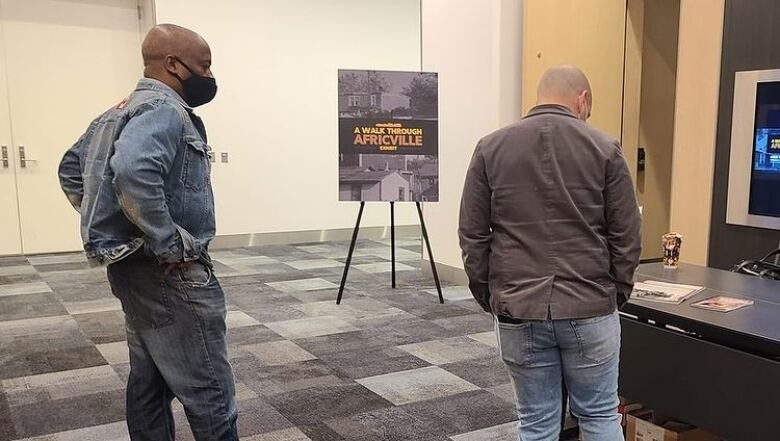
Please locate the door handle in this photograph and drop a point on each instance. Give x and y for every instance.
(4, 155)
(23, 158)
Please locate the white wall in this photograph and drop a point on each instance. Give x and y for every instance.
(475, 45)
(276, 65)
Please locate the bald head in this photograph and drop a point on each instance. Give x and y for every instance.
(173, 53)
(170, 39)
(568, 86)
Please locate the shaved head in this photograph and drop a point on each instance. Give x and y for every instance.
(173, 53)
(566, 85)
(170, 39)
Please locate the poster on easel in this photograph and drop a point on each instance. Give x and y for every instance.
(388, 136)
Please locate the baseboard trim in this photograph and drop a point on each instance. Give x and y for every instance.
(310, 236)
(447, 273)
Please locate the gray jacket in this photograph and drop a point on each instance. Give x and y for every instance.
(549, 224)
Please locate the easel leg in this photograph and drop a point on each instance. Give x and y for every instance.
(351, 250)
(430, 252)
(392, 238)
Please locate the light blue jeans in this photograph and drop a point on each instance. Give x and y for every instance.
(583, 353)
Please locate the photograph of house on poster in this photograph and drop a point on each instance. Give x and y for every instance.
(388, 136)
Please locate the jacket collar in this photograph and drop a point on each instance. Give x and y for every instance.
(159, 86)
(550, 109)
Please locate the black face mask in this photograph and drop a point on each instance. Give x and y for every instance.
(198, 90)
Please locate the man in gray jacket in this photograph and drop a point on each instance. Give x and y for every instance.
(550, 233)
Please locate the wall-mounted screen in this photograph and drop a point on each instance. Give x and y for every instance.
(765, 177)
(754, 160)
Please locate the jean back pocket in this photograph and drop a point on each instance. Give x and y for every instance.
(515, 342)
(144, 297)
(598, 338)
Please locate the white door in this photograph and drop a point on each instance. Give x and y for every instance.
(10, 238)
(67, 61)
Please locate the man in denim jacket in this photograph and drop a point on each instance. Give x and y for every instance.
(139, 177)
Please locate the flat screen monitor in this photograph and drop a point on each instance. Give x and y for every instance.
(754, 161)
(765, 176)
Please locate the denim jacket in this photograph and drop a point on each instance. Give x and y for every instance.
(139, 177)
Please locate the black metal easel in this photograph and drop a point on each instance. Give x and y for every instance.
(392, 249)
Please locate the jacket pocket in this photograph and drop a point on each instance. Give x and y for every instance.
(196, 169)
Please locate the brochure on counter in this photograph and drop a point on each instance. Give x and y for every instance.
(722, 303)
(664, 292)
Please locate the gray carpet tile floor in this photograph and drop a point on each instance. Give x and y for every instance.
(386, 364)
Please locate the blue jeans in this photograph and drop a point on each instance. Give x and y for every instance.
(583, 353)
(176, 335)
